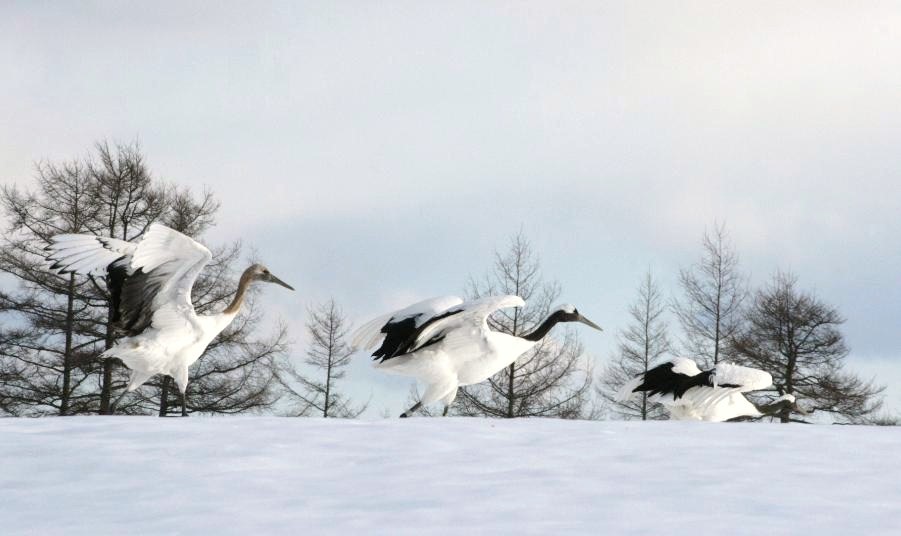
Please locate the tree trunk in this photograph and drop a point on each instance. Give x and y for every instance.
(67, 355)
(106, 387)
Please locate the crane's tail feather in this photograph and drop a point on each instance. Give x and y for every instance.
(368, 336)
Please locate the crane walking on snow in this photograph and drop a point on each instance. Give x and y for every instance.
(711, 395)
(150, 284)
(446, 343)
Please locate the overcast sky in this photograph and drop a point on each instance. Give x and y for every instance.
(378, 152)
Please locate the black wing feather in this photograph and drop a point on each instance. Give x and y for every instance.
(400, 336)
(663, 380)
(132, 296)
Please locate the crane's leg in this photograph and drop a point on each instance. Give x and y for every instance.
(410, 411)
(184, 403)
(181, 379)
(449, 399)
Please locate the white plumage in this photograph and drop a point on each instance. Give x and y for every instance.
(689, 393)
(150, 284)
(446, 343)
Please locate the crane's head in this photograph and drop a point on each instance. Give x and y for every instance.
(258, 272)
(569, 313)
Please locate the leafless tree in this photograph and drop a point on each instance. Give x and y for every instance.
(710, 309)
(552, 379)
(330, 354)
(643, 342)
(47, 364)
(794, 336)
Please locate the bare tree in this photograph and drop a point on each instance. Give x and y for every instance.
(710, 310)
(552, 379)
(795, 337)
(330, 354)
(642, 343)
(46, 363)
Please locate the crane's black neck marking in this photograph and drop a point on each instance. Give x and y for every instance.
(542, 330)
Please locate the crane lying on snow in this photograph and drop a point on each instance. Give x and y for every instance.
(711, 395)
(150, 284)
(446, 343)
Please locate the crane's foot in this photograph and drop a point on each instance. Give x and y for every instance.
(446, 409)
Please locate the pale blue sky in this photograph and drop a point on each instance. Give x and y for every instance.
(378, 152)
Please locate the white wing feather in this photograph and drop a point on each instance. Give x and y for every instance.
(748, 379)
(86, 254)
(177, 259)
(474, 313)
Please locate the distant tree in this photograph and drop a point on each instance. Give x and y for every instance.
(330, 354)
(794, 336)
(552, 379)
(641, 344)
(47, 364)
(52, 365)
(710, 309)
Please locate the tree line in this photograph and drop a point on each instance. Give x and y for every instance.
(780, 327)
(53, 328)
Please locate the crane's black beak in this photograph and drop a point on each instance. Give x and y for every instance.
(272, 279)
(587, 322)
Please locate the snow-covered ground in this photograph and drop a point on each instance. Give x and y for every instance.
(144, 475)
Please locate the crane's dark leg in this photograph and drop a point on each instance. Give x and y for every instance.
(410, 411)
(184, 402)
(446, 408)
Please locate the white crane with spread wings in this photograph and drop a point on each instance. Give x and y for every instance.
(446, 343)
(150, 284)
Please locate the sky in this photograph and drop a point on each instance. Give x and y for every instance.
(379, 152)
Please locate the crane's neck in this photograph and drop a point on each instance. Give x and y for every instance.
(240, 294)
(542, 330)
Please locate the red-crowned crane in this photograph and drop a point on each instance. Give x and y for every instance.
(446, 343)
(690, 394)
(150, 284)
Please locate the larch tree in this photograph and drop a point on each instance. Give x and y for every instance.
(47, 360)
(710, 308)
(641, 344)
(329, 354)
(553, 379)
(795, 336)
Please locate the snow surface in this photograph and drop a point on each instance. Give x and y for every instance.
(256, 475)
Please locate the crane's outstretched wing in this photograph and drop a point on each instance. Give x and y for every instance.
(387, 332)
(86, 254)
(677, 377)
(451, 325)
(150, 282)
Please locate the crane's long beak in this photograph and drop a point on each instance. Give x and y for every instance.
(277, 281)
(587, 322)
